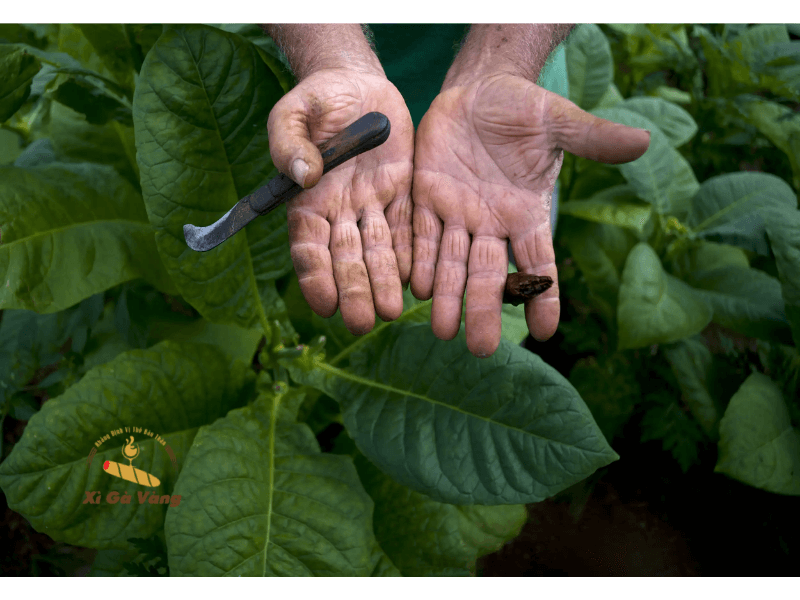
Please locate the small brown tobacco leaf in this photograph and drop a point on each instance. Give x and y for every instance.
(521, 287)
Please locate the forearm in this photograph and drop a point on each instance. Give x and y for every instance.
(309, 48)
(519, 49)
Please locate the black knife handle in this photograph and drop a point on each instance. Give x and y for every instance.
(366, 133)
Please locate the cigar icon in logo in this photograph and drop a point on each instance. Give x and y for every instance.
(129, 472)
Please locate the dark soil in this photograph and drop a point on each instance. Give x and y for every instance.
(642, 518)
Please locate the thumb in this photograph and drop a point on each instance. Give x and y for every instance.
(293, 153)
(586, 135)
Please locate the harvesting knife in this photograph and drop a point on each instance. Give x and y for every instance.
(368, 132)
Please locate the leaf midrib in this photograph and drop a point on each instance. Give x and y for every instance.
(99, 222)
(374, 384)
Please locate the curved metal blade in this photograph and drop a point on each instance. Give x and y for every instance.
(206, 238)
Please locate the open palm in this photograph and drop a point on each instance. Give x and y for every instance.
(487, 156)
(349, 233)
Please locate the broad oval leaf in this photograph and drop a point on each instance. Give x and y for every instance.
(170, 389)
(691, 360)
(508, 429)
(599, 251)
(75, 139)
(746, 300)
(270, 53)
(617, 205)
(102, 47)
(18, 69)
(735, 208)
(758, 445)
(673, 121)
(590, 66)
(784, 237)
(779, 123)
(611, 98)
(661, 176)
(70, 231)
(260, 499)
(655, 307)
(705, 256)
(200, 115)
(423, 537)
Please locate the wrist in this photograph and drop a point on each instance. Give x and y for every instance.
(313, 47)
(493, 49)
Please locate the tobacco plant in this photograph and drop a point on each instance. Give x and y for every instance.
(299, 449)
(666, 257)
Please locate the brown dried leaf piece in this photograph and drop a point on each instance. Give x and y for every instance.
(521, 287)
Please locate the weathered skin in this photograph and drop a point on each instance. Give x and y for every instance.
(487, 155)
(350, 235)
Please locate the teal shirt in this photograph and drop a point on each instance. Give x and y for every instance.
(416, 58)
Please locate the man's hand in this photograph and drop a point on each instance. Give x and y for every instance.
(350, 233)
(486, 160)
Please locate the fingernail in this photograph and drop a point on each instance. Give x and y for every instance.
(299, 170)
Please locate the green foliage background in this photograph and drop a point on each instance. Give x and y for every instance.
(117, 135)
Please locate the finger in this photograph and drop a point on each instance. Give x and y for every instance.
(534, 254)
(381, 262)
(488, 270)
(399, 218)
(309, 237)
(355, 295)
(591, 137)
(288, 128)
(427, 234)
(449, 283)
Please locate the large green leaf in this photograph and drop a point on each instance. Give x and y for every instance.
(508, 429)
(784, 237)
(171, 389)
(611, 98)
(76, 140)
(82, 96)
(68, 232)
(340, 343)
(101, 47)
(29, 341)
(600, 251)
(18, 69)
(661, 176)
(734, 208)
(260, 499)
(617, 205)
(590, 66)
(690, 360)
(779, 123)
(705, 256)
(754, 39)
(758, 445)
(655, 307)
(673, 121)
(746, 300)
(423, 537)
(274, 58)
(200, 113)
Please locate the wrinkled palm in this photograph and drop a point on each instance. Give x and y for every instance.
(486, 160)
(350, 233)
